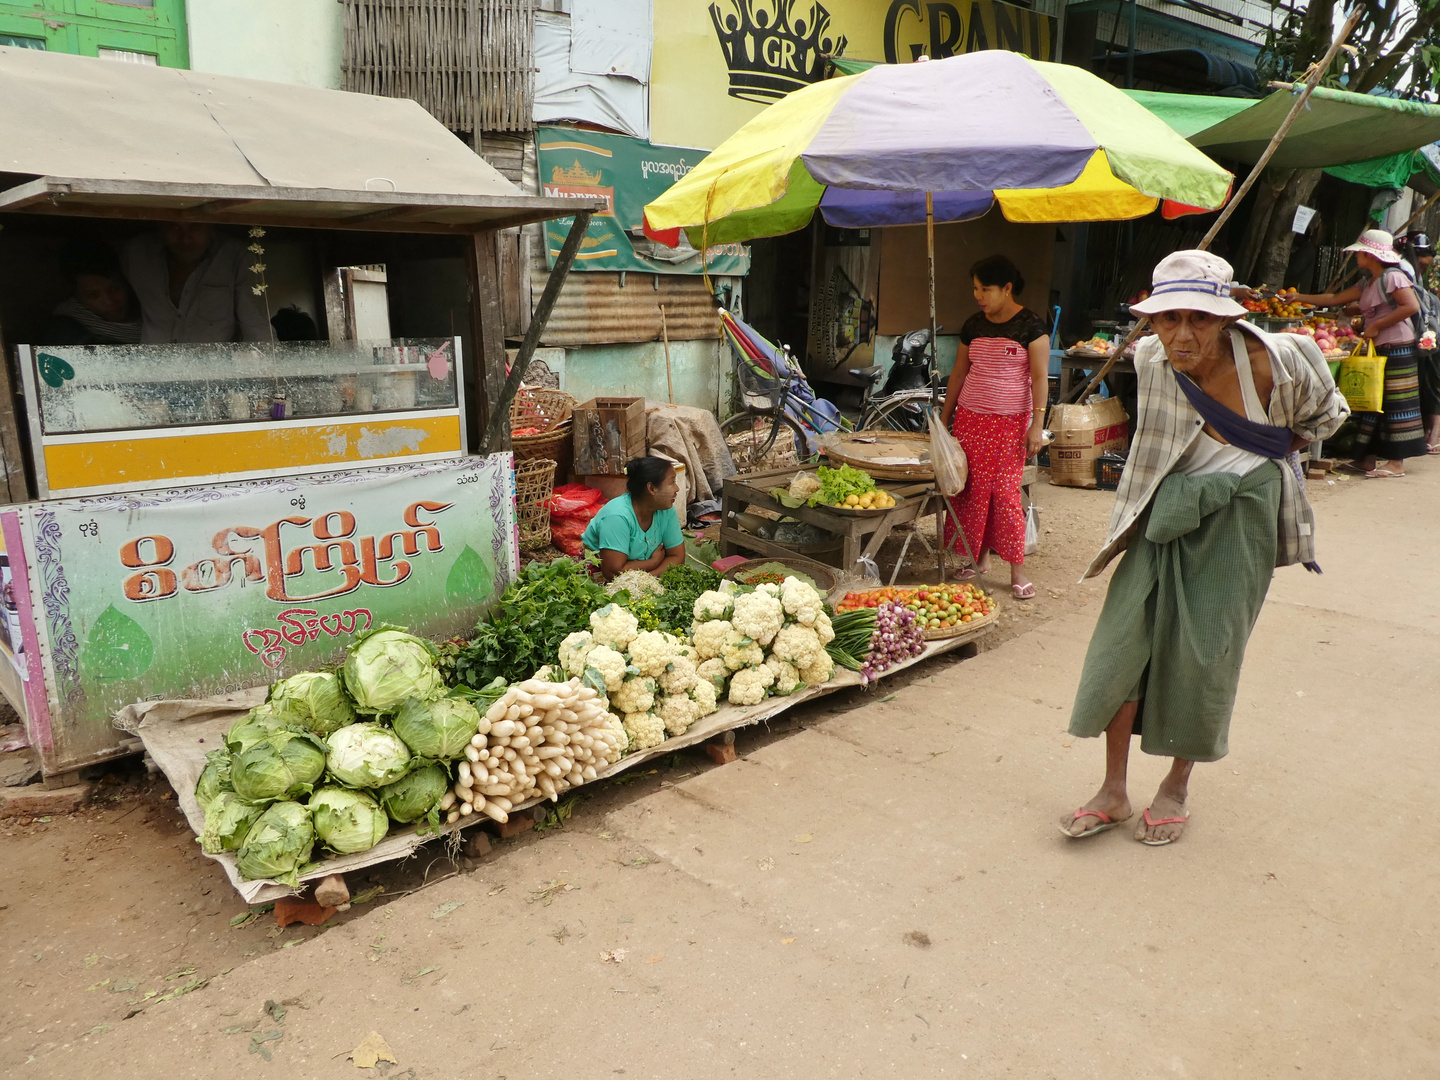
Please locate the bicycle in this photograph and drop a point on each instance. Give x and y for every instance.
(752, 433)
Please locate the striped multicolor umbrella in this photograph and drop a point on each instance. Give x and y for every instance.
(1046, 142)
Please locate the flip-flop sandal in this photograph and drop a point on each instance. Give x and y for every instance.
(1432, 449)
(1024, 592)
(1106, 823)
(1383, 474)
(966, 574)
(1150, 823)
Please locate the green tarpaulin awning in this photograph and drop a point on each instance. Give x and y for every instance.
(1336, 127)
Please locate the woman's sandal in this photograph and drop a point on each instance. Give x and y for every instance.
(1383, 474)
(1024, 592)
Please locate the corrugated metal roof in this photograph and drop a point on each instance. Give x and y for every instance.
(595, 308)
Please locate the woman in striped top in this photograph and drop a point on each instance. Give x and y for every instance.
(995, 405)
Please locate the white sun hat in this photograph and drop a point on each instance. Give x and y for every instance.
(1379, 243)
(1191, 281)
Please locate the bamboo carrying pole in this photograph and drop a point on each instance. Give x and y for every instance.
(665, 335)
(1319, 69)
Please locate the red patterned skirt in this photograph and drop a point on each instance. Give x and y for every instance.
(989, 508)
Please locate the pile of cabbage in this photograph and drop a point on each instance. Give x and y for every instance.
(334, 757)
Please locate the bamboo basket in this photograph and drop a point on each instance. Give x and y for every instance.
(534, 484)
(548, 410)
(881, 453)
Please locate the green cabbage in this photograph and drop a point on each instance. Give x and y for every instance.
(227, 821)
(214, 778)
(278, 845)
(312, 700)
(388, 666)
(251, 728)
(416, 795)
(367, 756)
(348, 821)
(436, 729)
(283, 765)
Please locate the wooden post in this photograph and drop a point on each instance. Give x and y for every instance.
(14, 488)
(497, 427)
(485, 371)
(1316, 72)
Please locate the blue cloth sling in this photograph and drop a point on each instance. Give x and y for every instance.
(1267, 440)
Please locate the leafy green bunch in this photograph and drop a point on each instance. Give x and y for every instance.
(522, 633)
(836, 484)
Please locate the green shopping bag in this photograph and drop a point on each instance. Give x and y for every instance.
(1362, 379)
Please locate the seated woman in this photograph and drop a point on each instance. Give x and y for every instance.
(639, 530)
(101, 310)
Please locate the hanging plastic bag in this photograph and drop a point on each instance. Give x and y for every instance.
(866, 569)
(1032, 529)
(948, 457)
(1362, 380)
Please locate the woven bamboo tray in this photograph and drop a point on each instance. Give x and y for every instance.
(963, 628)
(824, 576)
(869, 450)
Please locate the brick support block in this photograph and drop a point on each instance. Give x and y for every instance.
(36, 801)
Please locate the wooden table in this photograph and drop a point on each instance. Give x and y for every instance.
(917, 499)
(1070, 364)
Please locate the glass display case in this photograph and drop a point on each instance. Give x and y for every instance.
(107, 418)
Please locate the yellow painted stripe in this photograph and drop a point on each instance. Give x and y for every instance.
(216, 452)
(576, 146)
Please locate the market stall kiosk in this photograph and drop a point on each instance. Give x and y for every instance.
(191, 518)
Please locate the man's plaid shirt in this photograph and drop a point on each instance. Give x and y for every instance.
(1304, 400)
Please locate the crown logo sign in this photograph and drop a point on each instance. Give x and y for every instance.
(575, 176)
(773, 46)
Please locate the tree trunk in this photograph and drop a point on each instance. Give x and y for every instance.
(1272, 182)
(1275, 254)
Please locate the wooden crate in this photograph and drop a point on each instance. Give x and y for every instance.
(609, 431)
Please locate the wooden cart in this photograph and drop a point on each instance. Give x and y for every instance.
(861, 532)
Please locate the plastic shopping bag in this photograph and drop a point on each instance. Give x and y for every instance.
(1032, 529)
(1362, 380)
(948, 458)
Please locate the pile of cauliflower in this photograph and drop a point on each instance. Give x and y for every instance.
(767, 641)
(650, 677)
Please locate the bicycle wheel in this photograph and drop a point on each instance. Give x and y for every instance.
(764, 441)
(900, 415)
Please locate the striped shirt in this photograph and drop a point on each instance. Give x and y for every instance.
(1304, 400)
(998, 381)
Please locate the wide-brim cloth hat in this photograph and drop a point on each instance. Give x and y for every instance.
(1191, 281)
(1379, 243)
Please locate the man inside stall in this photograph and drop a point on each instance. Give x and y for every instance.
(196, 285)
(101, 309)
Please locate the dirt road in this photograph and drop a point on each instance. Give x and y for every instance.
(876, 891)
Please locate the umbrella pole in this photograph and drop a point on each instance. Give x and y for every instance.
(930, 255)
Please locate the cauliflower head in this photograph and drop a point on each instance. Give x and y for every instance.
(549, 673)
(678, 712)
(748, 687)
(636, 694)
(787, 677)
(758, 615)
(801, 602)
(609, 663)
(797, 644)
(706, 698)
(824, 630)
(651, 652)
(614, 626)
(711, 604)
(679, 676)
(740, 651)
(819, 671)
(714, 672)
(573, 651)
(709, 637)
(644, 729)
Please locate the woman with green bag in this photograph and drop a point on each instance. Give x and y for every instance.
(1384, 439)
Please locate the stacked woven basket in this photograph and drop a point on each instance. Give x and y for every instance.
(545, 415)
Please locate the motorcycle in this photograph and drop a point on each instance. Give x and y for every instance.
(910, 386)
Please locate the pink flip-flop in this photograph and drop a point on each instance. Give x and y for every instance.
(1106, 823)
(1024, 592)
(1150, 823)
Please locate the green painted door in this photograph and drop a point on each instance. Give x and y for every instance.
(139, 31)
